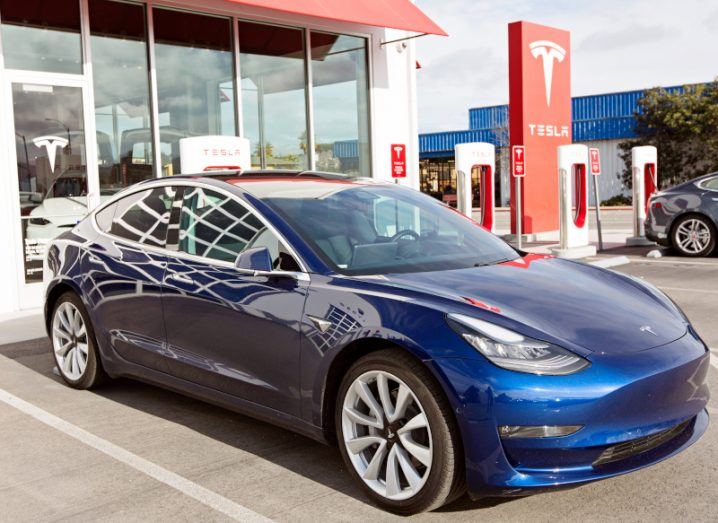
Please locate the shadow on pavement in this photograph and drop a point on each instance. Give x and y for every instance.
(301, 455)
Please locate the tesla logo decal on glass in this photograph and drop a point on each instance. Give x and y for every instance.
(548, 52)
(50, 143)
(647, 328)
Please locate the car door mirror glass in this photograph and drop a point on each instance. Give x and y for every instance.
(255, 259)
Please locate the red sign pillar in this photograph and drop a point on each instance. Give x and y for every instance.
(539, 117)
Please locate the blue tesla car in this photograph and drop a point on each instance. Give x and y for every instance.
(438, 358)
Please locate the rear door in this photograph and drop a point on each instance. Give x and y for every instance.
(228, 330)
(124, 268)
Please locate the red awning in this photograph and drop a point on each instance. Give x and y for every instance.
(395, 14)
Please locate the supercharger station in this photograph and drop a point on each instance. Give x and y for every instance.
(470, 156)
(573, 175)
(214, 153)
(644, 168)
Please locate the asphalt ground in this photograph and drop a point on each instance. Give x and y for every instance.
(132, 452)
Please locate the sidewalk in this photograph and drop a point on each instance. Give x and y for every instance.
(22, 326)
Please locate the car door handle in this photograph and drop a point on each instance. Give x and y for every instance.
(181, 278)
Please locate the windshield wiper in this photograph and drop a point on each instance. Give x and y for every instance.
(493, 262)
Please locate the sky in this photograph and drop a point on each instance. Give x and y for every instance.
(616, 45)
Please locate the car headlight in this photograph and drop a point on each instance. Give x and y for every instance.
(39, 221)
(514, 351)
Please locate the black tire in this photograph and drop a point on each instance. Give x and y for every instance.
(678, 236)
(94, 374)
(446, 480)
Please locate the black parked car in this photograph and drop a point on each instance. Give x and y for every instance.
(686, 216)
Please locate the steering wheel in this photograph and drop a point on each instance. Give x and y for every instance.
(405, 232)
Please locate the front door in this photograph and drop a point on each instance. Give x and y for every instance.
(228, 330)
(49, 161)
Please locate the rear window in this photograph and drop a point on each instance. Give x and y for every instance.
(711, 183)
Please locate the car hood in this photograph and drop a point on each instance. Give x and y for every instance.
(596, 309)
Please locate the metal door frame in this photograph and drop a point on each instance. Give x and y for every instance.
(30, 295)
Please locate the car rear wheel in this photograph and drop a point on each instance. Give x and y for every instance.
(397, 434)
(694, 236)
(74, 345)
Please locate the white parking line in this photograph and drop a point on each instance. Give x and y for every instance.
(177, 482)
(714, 358)
(685, 289)
(677, 262)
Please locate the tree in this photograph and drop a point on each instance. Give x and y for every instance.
(683, 126)
(268, 150)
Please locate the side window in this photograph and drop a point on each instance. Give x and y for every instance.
(216, 226)
(143, 217)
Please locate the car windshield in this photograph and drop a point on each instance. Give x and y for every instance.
(380, 229)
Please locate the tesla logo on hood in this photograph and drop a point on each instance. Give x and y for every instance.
(647, 328)
(548, 52)
(50, 143)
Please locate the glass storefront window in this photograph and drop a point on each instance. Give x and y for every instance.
(41, 35)
(438, 179)
(340, 94)
(121, 85)
(274, 95)
(195, 80)
(51, 166)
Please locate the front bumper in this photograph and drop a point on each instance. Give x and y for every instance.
(637, 409)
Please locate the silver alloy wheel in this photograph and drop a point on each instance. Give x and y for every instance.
(693, 236)
(387, 435)
(69, 341)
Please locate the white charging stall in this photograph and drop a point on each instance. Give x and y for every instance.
(573, 202)
(214, 153)
(481, 156)
(644, 168)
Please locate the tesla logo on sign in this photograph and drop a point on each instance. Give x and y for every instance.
(548, 52)
(50, 144)
(518, 157)
(398, 160)
(595, 158)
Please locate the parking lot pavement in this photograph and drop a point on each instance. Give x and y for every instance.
(129, 451)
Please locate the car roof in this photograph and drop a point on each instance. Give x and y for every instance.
(267, 183)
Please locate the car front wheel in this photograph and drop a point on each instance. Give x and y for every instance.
(397, 434)
(694, 236)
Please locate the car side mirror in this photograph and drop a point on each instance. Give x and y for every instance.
(256, 259)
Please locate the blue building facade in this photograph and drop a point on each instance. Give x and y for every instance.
(601, 120)
(595, 118)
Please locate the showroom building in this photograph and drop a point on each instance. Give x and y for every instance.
(95, 95)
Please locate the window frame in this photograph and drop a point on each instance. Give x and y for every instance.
(180, 185)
